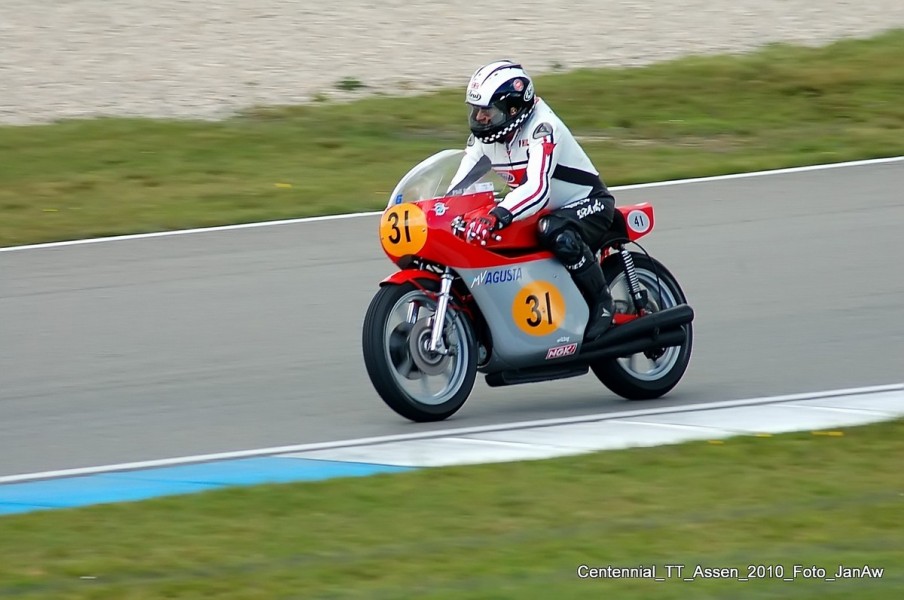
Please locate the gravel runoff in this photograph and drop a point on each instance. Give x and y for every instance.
(205, 59)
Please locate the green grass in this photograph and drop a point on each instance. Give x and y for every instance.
(783, 106)
(517, 530)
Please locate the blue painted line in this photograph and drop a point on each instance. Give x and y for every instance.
(130, 486)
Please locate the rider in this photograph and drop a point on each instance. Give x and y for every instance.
(532, 149)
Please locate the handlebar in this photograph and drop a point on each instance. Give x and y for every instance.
(458, 227)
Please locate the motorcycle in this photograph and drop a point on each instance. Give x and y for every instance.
(506, 308)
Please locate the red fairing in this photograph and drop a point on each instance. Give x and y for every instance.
(424, 229)
(518, 244)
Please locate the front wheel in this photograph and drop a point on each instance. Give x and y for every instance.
(645, 376)
(418, 384)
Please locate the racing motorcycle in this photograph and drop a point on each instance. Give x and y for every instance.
(506, 308)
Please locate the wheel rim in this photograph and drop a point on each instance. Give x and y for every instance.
(660, 297)
(429, 389)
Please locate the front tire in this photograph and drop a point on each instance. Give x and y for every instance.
(640, 377)
(401, 369)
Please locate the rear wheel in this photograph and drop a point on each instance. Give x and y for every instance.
(649, 375)
(416, 383)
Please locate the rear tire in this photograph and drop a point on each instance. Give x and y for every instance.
(622, 375)
(392, 366)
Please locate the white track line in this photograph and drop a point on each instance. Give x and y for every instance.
(639, 186)
(168, 462)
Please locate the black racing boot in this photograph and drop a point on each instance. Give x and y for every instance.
(590, 280)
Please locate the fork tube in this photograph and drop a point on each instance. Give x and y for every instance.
(412, 312)
(441, 305)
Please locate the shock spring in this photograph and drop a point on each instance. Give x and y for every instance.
(637, 295)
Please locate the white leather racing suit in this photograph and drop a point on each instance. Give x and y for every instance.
(543, 164)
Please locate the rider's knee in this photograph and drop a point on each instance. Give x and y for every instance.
(548, 228)
(569, 247)
(562, 240)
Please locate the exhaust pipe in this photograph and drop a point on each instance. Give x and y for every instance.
(671, 337)
(641, 328)
(651, 332)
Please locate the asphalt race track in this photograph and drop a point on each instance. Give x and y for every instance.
(229, 340)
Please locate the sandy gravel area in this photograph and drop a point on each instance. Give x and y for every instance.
(205, 58)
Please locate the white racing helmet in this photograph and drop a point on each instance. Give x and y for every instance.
(503, 91)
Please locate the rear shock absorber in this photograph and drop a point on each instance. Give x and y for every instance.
(638, 295)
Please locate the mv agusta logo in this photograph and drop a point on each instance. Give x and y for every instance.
(500, 276)
(561, 351)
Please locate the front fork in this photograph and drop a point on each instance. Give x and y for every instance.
(439, 320)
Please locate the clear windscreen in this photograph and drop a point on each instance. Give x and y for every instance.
(433, 177)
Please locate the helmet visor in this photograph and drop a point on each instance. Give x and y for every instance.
(485, 117)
